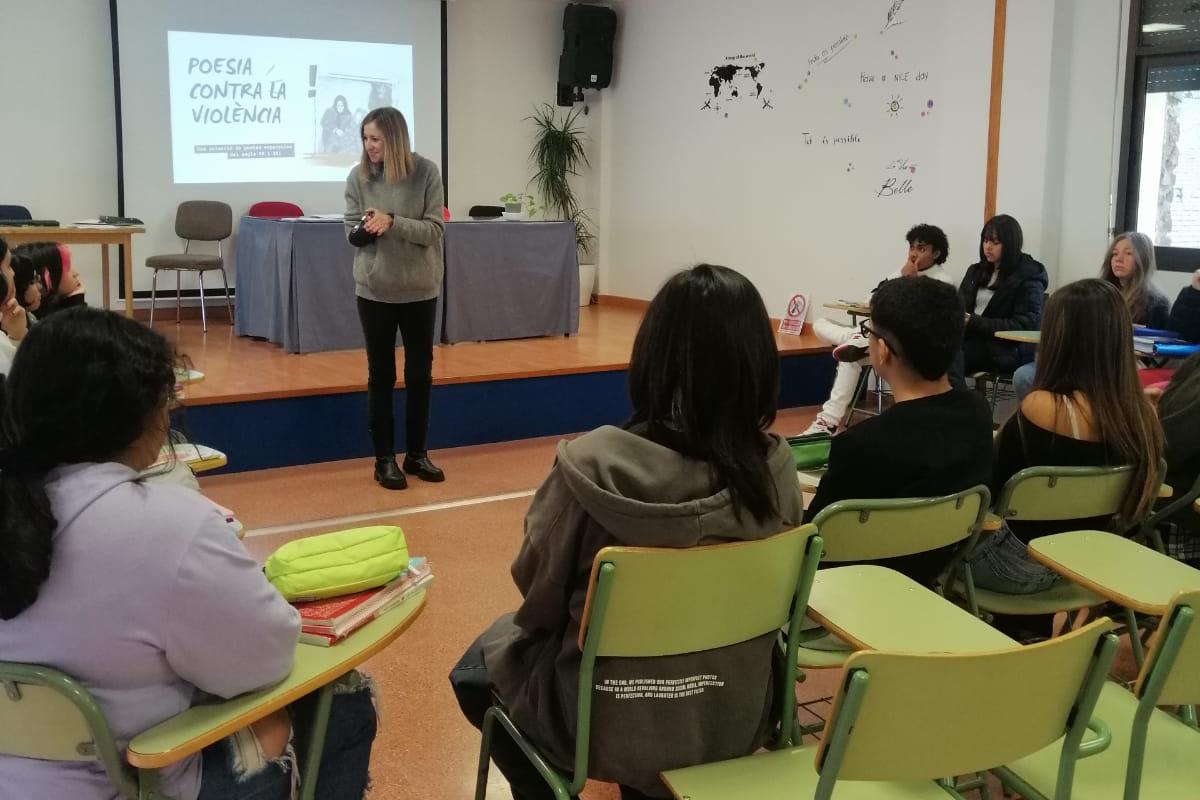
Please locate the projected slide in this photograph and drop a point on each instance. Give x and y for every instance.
(264, 108)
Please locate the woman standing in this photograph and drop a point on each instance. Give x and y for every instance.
(396, 196)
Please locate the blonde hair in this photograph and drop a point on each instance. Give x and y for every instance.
(1134, 293)
(398, 160)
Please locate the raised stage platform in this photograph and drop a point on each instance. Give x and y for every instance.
(266, 408)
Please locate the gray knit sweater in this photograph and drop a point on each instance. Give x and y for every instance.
(404, 265)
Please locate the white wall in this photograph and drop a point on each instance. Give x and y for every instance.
(1060, 132)
(1057, 163)
(742, 186)
(503, 59)
(58, 135)
(503, 62)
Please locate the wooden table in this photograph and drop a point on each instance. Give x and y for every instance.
(315, 668)
(1024, 337)
(875, 608)
(102, 235)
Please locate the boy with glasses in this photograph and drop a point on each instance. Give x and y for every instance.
(935, 440)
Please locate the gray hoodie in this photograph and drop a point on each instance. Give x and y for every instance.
(151, 598)
(405, 265)
(614, 487)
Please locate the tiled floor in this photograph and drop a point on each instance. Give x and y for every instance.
(470, 527)
(425, 749)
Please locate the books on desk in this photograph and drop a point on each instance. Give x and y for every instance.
(326, 622)
(196, 456)
(1164, 346)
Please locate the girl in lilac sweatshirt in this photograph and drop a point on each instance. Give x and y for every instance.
(141, 591)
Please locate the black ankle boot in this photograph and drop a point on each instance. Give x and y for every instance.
(419, 464)
(388, 474)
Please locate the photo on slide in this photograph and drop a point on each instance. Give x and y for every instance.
(346, 99)
(272, 109)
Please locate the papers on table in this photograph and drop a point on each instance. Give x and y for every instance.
(316, 218)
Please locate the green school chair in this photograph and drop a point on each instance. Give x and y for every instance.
(872, 530)
(1153, 754)
(903, 725)
(49, 715)
(1043, 494)
(1150, 531)
(718, 596)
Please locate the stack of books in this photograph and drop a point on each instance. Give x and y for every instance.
(326, 622)
(1162, 344)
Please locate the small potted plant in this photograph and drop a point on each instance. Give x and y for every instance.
(518, 205)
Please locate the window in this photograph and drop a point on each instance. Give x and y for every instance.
(1159, 182)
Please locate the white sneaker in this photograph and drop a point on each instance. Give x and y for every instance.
(853, 349)
(820, 425)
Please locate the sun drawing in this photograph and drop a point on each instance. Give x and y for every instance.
(894, 106)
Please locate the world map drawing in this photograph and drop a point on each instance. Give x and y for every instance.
(737, 82)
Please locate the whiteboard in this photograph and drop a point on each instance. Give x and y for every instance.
(795, 141)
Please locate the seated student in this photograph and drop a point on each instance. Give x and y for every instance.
(1086, 409)
(1128, 265)
(13, 322)
(927, 252)
(694, 466)
(935, 440)
(28, 285)
(141, 591)
(61, 285)
(1185, 314)
(1179, 411)
(1003, 291)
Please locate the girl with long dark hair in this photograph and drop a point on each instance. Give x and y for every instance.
(1004, 290)
(1087, 408)
(693, 466)
(139, 590)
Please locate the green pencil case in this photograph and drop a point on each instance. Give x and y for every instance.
(812, 451)
(342, 562)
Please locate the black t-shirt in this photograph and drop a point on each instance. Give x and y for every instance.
(1023, 444)
(927, 447)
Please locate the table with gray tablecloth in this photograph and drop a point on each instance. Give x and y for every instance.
(503, 280)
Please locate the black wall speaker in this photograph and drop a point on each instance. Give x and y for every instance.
(587, 54)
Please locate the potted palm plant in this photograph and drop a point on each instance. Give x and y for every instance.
(557, 155)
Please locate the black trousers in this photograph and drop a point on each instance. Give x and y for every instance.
(473, 688)
(380, 321)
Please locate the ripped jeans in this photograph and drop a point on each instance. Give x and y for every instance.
(230, 771)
